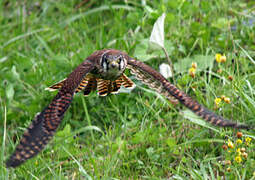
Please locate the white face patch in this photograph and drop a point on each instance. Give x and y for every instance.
(122, 64)
(105, 68)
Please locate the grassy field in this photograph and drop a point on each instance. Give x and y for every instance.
(137, 135)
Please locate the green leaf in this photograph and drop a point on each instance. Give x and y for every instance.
(144, 53)
(65, 132)
(9, 91)
(150, 151)
(89, 128)
(141, 51)
(197, 120)
(14, 73)
(138, 137)
(171, 142)
(222, 23)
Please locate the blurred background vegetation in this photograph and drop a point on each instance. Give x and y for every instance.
(137, 135)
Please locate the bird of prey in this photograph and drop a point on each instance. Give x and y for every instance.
(102, 71)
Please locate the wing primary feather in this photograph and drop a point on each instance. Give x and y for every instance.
(41, 130)
(152, 83)
(45, 124)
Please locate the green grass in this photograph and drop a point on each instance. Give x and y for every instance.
(126, 136)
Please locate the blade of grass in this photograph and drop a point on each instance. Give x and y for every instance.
(95, 10)
(88, 128)
(87, 116)
(81, 169)
(245, 52)
(24, 36)
(3, 144)
(45, 45)
(211, 171)
(195, 119)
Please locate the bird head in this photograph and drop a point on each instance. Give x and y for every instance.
(112, 64)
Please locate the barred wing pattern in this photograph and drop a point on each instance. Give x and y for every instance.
(43, 127)
(157, 82)
(151, 82)
(104, 87)
(41, 130)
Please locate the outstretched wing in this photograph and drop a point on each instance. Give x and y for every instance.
(157, 82)
(43, 127)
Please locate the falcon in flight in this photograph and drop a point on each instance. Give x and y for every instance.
(102, 71)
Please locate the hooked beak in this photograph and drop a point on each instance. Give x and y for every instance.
(114, 64)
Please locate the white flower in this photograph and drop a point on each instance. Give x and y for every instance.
(165, 70)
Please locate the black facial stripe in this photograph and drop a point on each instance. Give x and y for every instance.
(120, 59)
(107, 65)
(104, 59)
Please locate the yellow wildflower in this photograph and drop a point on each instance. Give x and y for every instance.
(230, 144)
(239, 141)
(229, 169)
(248, 140)
(227, 100)
(223, 58)
(192, 72)
(218, 58)
(217, 101)
(194, 65)
(238, 152)
(223, 97)
(238, 159)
